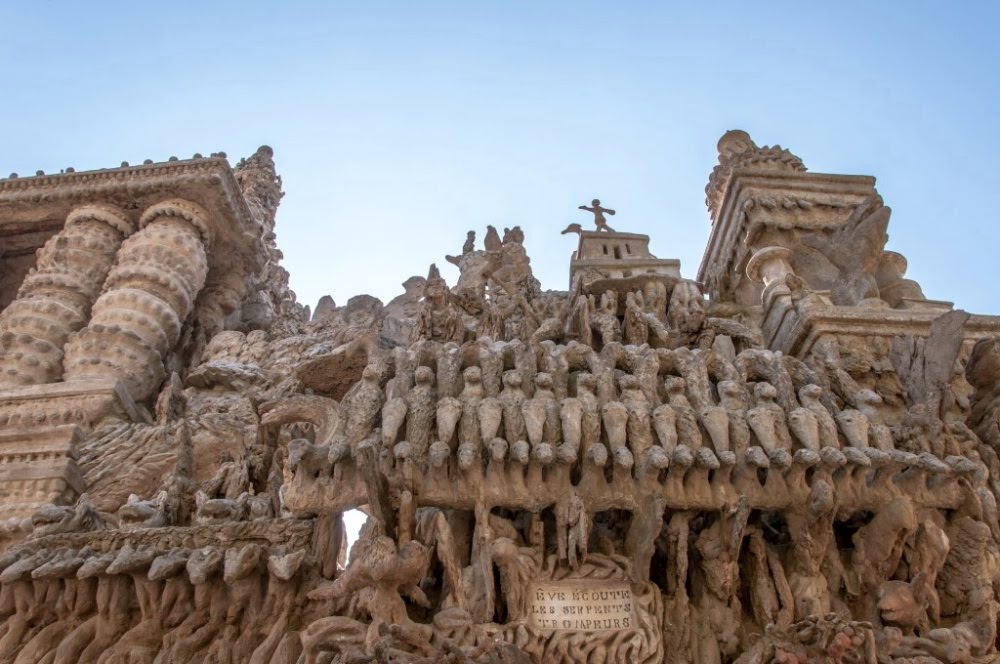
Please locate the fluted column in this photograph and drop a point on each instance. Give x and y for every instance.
(150, 291)
(55, 298)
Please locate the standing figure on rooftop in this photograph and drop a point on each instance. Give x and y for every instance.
(599, 212)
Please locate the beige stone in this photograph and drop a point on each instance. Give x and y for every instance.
(792, 458)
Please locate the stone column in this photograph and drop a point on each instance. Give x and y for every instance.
(770, 265)
(56, 296)
(149, 293)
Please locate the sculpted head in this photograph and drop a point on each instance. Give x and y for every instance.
(473, 375)
(423, 376)
(628, 382)
(674, 385)
(765, 392)
(686, 311)
(466, 456)
(586, 381)
(609, 302)
(810, 392)
(543, 380)
(439, 454)
(729, 389)
(734, 142)
(512, 378)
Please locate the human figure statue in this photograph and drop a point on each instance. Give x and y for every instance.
(599, 212)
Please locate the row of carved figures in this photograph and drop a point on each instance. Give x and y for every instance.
(626, 403)
(135, 604)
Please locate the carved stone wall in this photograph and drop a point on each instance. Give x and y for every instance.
(802, 467)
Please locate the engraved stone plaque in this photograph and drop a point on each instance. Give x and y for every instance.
(581, 605)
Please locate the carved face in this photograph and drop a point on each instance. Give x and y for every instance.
(512, 379)
(765, 392)
(654, 294)
(423, 376)
(629, 382)
(674, 385)
(609, 303)
(686, 312)
(810, 391)
(729, 392)
(466, 456)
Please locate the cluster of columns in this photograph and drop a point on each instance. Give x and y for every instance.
(107, 297)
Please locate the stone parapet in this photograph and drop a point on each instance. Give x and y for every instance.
(38, 468)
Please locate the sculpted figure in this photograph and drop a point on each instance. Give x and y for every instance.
(113, 604)
(362, 406)
(571, 423)
(809, 397)
(686, 311)
(176, 594)
(855, 249)
(472, 394)
(731, 399)
(555, 363)
(665, 424)
(142, 641)
(552, 320)
(210, 607)
(867, 402)
(599, 219)
(590, 420)
(138, 513)
(68, 609)
(54, 519)
(420, 406)
(439, 319)
(635, 330)
(688, 432)
(389, 572)
(279, 605)
(578, 321)
(767, 419)
(512, 399)
(811, 531)
(541, 417)
(639, 429)
(718, 619)
(804, 425)
(654, 294)
(517, 566)
(615, 418)
(605, 319)
(854, 425)
(393, 418)
(878, 547)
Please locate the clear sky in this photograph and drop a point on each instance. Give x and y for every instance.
(399, 126)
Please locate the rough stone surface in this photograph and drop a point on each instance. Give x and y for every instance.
(793, 458)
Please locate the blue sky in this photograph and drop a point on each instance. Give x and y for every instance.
(399, 126)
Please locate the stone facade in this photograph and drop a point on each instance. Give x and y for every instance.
(792, 458)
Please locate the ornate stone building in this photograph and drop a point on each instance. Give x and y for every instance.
(792, 458)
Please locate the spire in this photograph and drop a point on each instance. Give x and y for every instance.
(261, 185)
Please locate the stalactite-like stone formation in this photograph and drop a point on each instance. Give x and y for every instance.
(56, 297)
(149, 293)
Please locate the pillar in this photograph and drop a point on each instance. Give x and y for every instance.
(55, 298)
(148, 294)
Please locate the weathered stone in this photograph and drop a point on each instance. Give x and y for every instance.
(801, 466)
